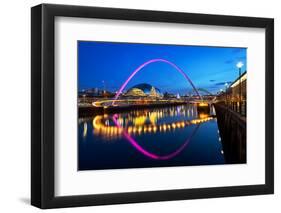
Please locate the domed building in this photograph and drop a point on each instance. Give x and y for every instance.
(144, 90)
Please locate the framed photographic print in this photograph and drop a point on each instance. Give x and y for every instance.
(140, 106)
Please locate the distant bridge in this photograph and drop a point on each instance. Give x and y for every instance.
(206, 92)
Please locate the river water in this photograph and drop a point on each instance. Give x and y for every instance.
(159, 137)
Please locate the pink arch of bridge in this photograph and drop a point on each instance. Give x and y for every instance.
(150, 154)
(147, 63)
(127, 135)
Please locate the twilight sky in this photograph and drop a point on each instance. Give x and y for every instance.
(108, 64)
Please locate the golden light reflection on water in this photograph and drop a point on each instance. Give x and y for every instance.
(101, 129)
(203, 115)
(85, 129)
(145, 122)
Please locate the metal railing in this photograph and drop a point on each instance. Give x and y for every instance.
(239, 107)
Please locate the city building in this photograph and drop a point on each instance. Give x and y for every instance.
(235, 96)
(144, 90)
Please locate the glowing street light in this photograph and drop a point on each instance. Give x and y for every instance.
(226, 85)
(239, 65)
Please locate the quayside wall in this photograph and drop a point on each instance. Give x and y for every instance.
(232, 127)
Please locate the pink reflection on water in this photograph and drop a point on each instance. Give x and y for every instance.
(149, 154)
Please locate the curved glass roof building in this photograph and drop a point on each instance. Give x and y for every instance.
(142, 90)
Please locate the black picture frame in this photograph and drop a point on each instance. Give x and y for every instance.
(43, 117)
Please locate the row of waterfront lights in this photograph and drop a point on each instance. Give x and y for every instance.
(101, 129)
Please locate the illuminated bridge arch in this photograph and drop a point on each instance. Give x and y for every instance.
(128, 136)
(150, 62)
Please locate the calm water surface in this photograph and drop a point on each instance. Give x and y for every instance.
(171, 136)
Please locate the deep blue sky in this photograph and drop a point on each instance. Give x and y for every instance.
(207, 67)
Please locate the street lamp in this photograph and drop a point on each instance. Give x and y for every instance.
(226, 84)
(239, 65)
